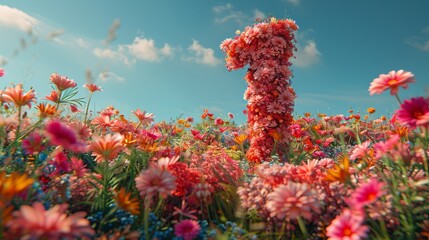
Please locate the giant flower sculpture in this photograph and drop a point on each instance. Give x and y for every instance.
(267, 48)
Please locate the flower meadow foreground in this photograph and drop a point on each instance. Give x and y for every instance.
(67, 173)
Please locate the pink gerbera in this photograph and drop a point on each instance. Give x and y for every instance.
(367, 193)
(62, 82)
(292, 201)
(62, 135)
(1, 72)
(187, 229)
(34, 222)
(360, 151)
(414, 112)
(347, 226)
(154, 180)
(392, 80)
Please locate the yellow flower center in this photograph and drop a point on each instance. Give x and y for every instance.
(392, 82)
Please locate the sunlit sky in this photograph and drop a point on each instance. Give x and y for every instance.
(164, 57)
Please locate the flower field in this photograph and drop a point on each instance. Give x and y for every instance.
(66, 173)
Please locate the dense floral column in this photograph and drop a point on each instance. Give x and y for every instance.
(267, 47)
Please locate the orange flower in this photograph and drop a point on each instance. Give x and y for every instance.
(371, 110)
(17, 96)
(46, 110)
(128, 140)
(240, 139)
(107, 147)
(126, 202)
(13, 184)
(340, 172)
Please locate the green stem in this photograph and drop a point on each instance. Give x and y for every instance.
(87, 107)
(302, 227)
(397, 98)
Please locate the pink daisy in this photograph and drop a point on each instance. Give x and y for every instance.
(187, 229)
(33, 144)
(347, 226)
(360, 151)
(34, 222)
(1, 72)
(292, 201)
(61, 82)
(414, 112)
(367, 193)
(155, 180)
(392, 80)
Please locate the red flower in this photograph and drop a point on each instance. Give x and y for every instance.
(414, 112)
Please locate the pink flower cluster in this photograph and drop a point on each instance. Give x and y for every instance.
(267, 47)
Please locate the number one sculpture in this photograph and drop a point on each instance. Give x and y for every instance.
(267, 47)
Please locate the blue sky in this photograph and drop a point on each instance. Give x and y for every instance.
(164, 57)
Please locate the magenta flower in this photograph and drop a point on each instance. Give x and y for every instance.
(414, 112)
(187, 229)
(347, 226)
(393, 80)
(1, 72)
(62, 135)
(367, 193)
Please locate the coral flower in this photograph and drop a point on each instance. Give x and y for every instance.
(61, 82)
(144, 118)
(366, 194)
(53, 97)
(292, 201)
(34, 222)
(155, 180)
(33, 144)
(13, 184)
(187, 229)
(126, 202)
(414, 112)
(360, 151)
(107, 147)
(347, 226)
(18, 97)
(393, 80)
(62, 135)
(92, 87)
(46, 110)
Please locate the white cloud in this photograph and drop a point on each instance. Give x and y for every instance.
(107, 76)
(222, 8)
(16, 18)
(81, 42)
(202, 55)
(306, 55)
(54, 34)
(120, 55)
(294, 2)
(421, 43)
(145, 49)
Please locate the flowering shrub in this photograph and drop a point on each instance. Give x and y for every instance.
(68, 174)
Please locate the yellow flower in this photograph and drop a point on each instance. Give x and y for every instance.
(340, 172)
(13, 184)
(126, 202)
(239, 139)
